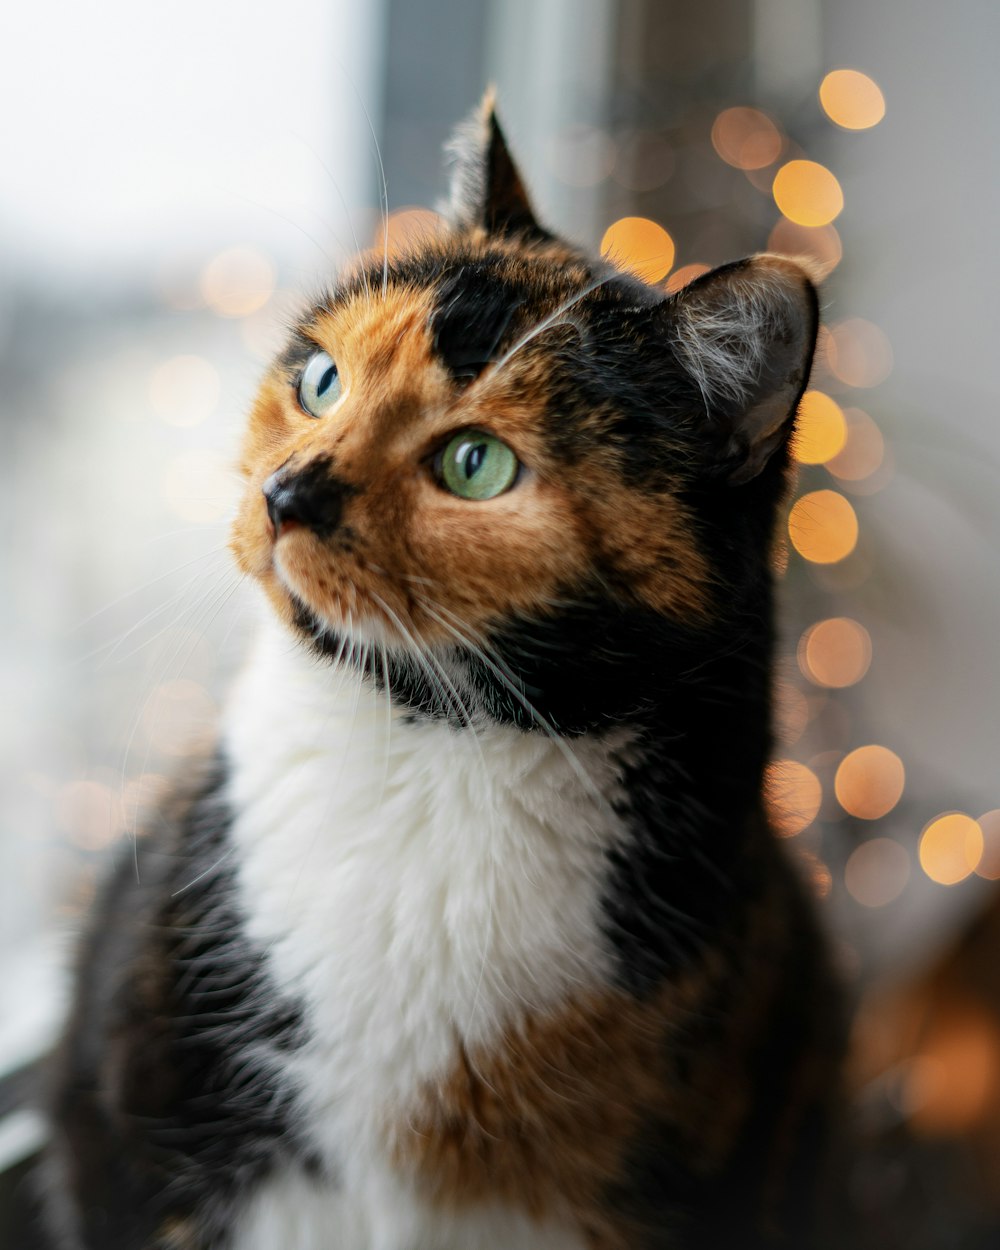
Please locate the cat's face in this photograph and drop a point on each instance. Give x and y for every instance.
(495, 439)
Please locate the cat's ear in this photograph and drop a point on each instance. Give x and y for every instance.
(486, 186)
(746, 333)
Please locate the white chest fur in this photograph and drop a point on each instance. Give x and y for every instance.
(413, 885)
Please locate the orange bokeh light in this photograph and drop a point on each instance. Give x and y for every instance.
(858, 353)
(851, 99)
(237, 282)
(951, 847)
(793, 795)
(681, 277)
(807, 193)
(406, 229)
(746, 138)
(863, 451)
(835, 653)
(869, 782)
(877, 872)
(820, 429)
(952, 1082)
(823, 527)
(639, 245)
(820, 244)
(989, 861)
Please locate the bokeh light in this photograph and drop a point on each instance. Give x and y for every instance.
(820, 429)
(989, 861)
(863, 451)
(869, 782)
(851, 99)
(184, 390)
(746, 138)
(90, 813)
(793, 795)
(817, 875)
(405, 230)
(876, 872)
(639, 245)
(952, 1081)
(807, 193)
(858, 352)
(835, 653)
(237, 282)
(819, 244)
(951, 847)
(685, 274)
(823, 527)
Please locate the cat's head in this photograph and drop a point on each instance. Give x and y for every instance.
(540, 472)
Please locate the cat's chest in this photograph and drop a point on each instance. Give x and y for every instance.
(414, 886)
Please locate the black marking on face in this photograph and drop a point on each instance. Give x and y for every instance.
(473, 315)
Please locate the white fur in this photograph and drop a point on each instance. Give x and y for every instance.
(414, 885)
(733, 333)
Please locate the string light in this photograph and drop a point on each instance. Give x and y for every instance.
(858, 353)
(807, 193)
(876, 872)
(951, 847)
(835, 653)
(823, 527)
(793, 795)
(851, 99)
(820, 429)
(687, 273)
(746, 138)
(820, 244)
(639, 245)
(863, 450)
(989, 862)
(869, 782)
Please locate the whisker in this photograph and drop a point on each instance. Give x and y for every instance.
(512, 687)
(547, 322)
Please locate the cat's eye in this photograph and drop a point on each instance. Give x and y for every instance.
(474, 465)
(319, 385)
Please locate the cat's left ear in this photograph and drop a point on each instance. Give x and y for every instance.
(487, 189)
(746, 334)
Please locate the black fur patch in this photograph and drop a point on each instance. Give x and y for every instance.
(474, 310)
(167, 1094)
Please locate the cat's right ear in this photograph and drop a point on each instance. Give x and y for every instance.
(487, 190)
(745, 334)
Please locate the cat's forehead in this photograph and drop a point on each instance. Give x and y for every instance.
(467, 306)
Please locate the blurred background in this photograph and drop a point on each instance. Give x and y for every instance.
(173, 189)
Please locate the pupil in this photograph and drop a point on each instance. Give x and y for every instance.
(326, 380)
(474, 460)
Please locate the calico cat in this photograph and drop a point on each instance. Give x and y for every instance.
(473, 934)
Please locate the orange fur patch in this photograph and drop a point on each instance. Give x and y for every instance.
(544, 1120)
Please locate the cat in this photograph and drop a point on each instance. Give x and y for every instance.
(473, 933)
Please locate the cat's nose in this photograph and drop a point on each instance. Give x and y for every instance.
(312, 497)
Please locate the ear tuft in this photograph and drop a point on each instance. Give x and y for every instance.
(487, 190)
(746, 333)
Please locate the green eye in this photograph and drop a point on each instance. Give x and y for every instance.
(477, 466)
(319, 385)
